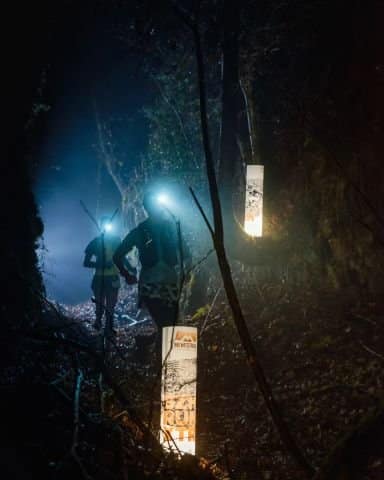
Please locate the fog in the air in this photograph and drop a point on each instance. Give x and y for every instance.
(69, 164)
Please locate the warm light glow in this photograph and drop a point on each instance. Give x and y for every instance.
(178, 389)
(253, 222)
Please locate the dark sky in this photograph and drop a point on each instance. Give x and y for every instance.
(87, 62)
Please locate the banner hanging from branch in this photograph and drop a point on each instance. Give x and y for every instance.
(178, 389)
(253, 223)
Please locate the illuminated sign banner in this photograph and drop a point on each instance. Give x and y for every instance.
(253, 223)
(178, 389)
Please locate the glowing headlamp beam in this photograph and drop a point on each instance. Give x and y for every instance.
(163, 199)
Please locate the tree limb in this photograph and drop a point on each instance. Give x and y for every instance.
(76, 424)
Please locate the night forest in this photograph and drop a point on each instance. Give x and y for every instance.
(105, 101)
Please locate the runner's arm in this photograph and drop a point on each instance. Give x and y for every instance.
(119, 256)
(88, 254)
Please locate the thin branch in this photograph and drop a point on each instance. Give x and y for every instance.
(60, 378)
(108, 155)
(249, 120)
(377, 355)
(352, 388)
(76, 424)
(69, 402)
(199, 262)
(201, 210)
(210, 311)
(93, 219)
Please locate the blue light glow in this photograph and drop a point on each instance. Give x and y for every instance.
(163, 199)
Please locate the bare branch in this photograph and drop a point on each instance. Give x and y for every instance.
(199, 262)
(201, 210)
(202, 330)
(76, 424)
(108, 156)
(372, 352)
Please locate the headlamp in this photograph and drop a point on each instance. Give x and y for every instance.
(163, 199)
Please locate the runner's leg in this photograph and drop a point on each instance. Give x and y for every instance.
(98, 304)
(111, 300)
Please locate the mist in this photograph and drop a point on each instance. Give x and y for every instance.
(69, 165)
(68, 229)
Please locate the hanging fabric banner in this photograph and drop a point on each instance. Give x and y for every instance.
(178, 389)
(253, 223)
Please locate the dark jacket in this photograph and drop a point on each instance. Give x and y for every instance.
(156, 241)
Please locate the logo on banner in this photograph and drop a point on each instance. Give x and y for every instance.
(185, 339)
